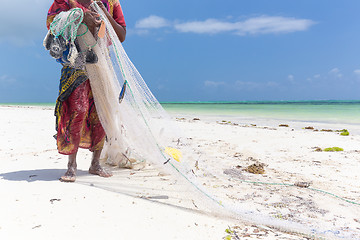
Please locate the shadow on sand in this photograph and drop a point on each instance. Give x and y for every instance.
(126, 182)
(38, 175)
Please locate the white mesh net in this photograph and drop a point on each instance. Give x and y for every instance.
(138, 130)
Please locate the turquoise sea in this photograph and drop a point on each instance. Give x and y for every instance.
(346, 112)
(331, 111)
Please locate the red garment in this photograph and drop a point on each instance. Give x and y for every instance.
(79, 124)
(113, 7)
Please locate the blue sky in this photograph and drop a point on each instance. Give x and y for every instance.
(205, 50)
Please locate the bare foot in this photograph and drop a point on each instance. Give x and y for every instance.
(69, 176)
(98, 170)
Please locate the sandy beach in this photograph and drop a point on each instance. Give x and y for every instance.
(299, 182)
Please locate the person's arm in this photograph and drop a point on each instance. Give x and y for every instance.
(119, 30)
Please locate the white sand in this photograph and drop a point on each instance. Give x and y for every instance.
(144, 205)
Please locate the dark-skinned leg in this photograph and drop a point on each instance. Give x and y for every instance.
(95, 167)
(70, 175)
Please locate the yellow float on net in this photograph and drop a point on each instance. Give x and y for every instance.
(174, 153)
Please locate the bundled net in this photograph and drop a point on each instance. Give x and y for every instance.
(138, 130)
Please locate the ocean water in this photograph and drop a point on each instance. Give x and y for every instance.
(37, 104)
(344, 112)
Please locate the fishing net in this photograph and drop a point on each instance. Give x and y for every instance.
(139, 131)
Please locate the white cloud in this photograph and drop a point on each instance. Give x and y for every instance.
(313, 78)
(213, 84)
(272, 84)
(276, 24)
(152, 22)
(357, 72)
(246, 85)
(335, 72)
(210, 26)
(291, 78)
(5, 79)
(256, 25)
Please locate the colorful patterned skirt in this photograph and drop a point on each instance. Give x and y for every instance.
(77, 122)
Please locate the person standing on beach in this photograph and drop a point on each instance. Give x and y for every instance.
(77, 122)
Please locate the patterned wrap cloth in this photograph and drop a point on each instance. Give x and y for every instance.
(77, 122)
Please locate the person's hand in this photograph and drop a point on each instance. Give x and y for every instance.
(92, 20)
(101, 5)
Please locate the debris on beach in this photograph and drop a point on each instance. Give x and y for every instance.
(255, 168)
(343, 132)
(329, 149)
(302, 184)
(269, 128)
(326, 130)
(333, 149)
(181, 119)
(253, 231)
(234, 173)
(237, 155)
(54, 199)
(224, 122)
(283, 125)
(196, 119)
(317, 149)
(311, 128)
(197, 165)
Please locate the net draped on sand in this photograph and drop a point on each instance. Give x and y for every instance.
(139, 130)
